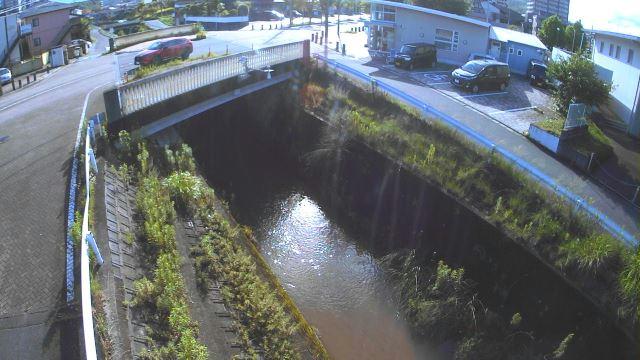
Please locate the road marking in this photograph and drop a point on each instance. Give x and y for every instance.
(488, 94)
(513, 110)
(438, 83)
(44, 92)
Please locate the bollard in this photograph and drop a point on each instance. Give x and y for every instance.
(28, 80)
(13, 84)
(252, 27)
(321, 38)
(34, 76)
(344, 49)
(19, 84)
(337, 46)
(262, 27)
(269, 26)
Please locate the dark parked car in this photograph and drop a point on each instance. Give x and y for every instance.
(416, 55)
(537, 73)
(163, 50)
(481, 74)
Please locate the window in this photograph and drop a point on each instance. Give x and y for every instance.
(35, 22)
(519, 52)
(385, 13)
(610, 49)
(630, 56)
(601, 47)
(447, 40)
(618, 52)
(511, 50)
(36, 41)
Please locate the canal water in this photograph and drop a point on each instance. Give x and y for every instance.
(336, 282)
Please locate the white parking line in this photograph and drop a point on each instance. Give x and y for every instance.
(513, 110)
(438, 83)
(488, 94)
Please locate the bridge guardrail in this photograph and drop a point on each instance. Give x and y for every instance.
(154, 89)
(560, 190)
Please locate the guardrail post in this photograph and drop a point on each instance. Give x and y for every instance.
(92, 242)
(92, 160)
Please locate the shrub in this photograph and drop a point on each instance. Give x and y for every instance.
(200, 35)
(630, 281)
(312, 96)
(591, 253)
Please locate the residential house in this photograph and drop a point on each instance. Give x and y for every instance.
(617, 60)
(516, 48)
(51, 25)
(393, 24)
(456, 37)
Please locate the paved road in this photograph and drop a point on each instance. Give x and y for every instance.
(602, 199)
(40, 122)
(222, 42)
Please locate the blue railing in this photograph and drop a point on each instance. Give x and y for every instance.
(579, 202)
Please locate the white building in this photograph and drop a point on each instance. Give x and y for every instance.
(545, 8)
(455, 37)
(617, 60)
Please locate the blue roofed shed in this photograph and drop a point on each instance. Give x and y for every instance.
(516, 48)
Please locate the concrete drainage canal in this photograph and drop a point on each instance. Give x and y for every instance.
(342, 258)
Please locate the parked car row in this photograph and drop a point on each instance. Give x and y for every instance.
(481, 72)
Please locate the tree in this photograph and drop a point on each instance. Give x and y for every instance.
(551, 32)
(578, 83)
(460, 7)
(572, 36)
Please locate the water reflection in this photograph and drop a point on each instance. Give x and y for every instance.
(340, 289)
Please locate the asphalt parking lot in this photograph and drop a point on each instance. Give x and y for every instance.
(518, 106)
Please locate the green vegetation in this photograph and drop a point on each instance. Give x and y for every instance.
(162, 299)
(166, 19)
(579, 83)
(144, 71)
(227, 255)
(594, 141)
(442, 305)
(553, 126)
(542, 222)
(100, 319)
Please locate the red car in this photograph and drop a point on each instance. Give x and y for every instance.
(164, 50)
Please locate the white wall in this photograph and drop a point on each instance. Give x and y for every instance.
(8, 30)
(624, 77)
(414, 26)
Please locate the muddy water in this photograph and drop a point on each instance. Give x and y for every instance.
(337, 283)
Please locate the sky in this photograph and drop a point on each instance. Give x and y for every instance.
(621, 16)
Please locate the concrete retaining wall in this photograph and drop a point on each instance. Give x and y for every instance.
(26, 67)
(546, 139)
(128, 40)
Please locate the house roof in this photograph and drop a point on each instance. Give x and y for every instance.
(504, 35)
(432, 12)
(615, 34)
(45, 8)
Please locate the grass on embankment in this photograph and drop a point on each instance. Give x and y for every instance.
(267, 317)
(162, 297)
(565, 238)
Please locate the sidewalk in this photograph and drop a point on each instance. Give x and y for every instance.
(600, 198)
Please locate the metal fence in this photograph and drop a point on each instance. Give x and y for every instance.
(576, 116)
(560, 190)
(154, 89)
(87, 239)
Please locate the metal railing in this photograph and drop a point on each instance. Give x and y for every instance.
(87, 238)
(154, 89)
(580, 203)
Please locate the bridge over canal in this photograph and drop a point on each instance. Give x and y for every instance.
(152, 104)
